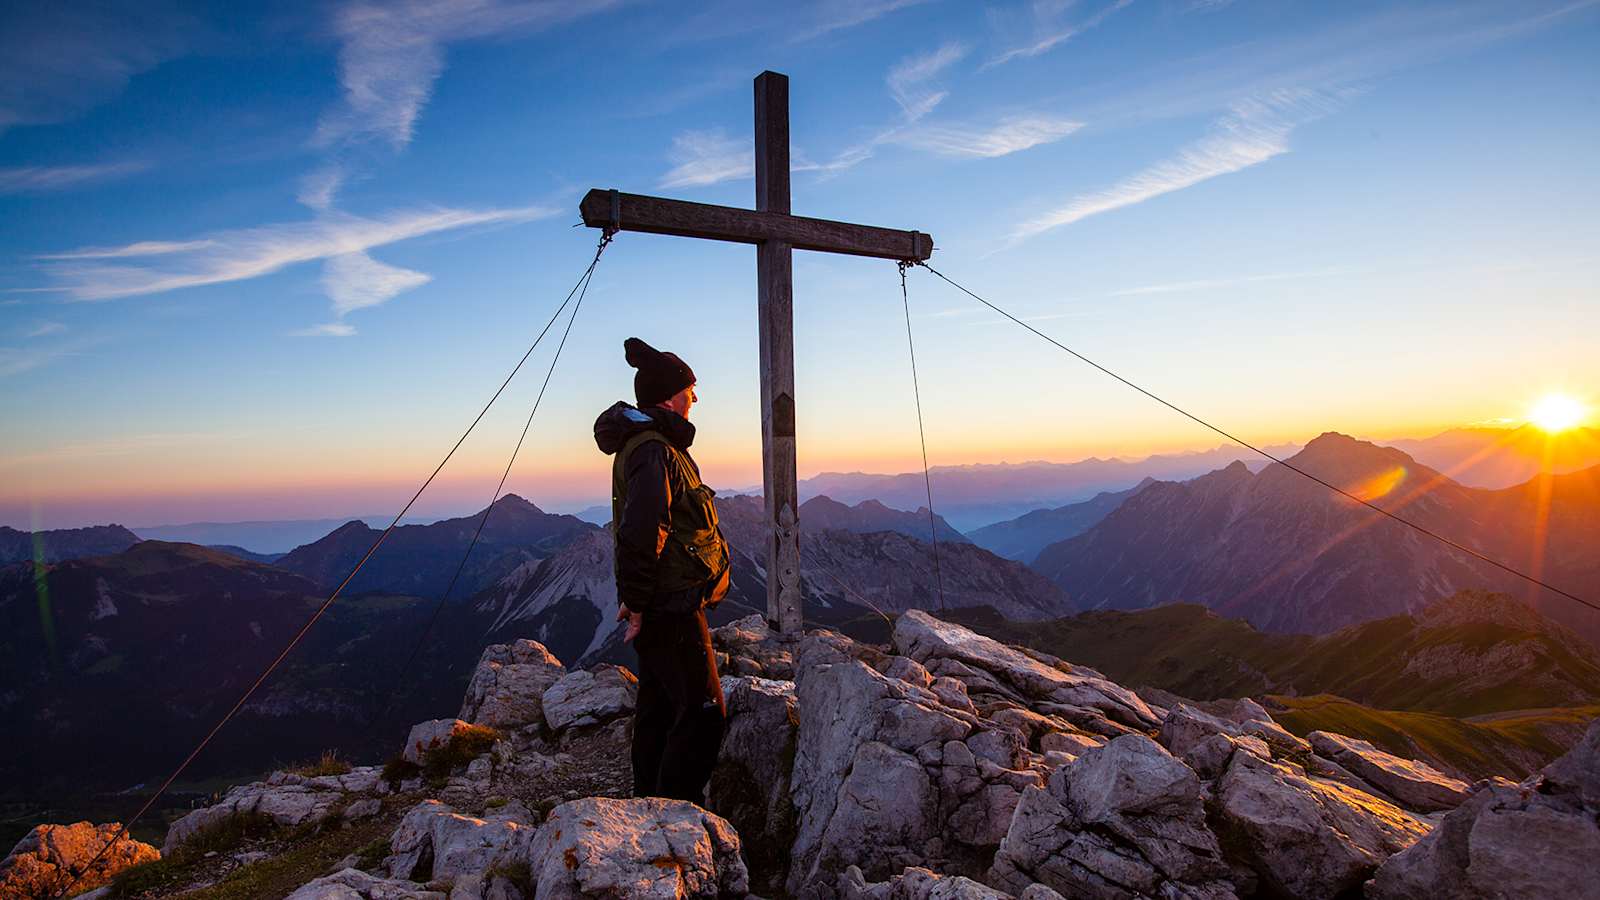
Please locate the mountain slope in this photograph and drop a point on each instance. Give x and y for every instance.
(420, 559)
(1289, 555)
(1022, 538)
(1470, 654)
(63, 543)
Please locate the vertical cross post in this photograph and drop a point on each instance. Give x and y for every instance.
(775, 311)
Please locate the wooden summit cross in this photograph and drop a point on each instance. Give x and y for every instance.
(775, 233)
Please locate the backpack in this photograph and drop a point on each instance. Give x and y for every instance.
(696, 554)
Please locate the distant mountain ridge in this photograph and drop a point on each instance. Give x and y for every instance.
(420, 559)
(1022, 538)
(63, 543)
(1495, 458)
(820, 513)
(1289, 555)
(972, 496)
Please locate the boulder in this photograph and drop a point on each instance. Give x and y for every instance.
(917, 883)
(508, 685)
(1305, 837)
(425, 736)
(1412, 783)
(644, 847)
(49, 856)
(1123, 820)
(285, 798)
(354, 884)
(750, 785)
(434, 841)
(925, 638)
(1534, 840)
(1253, 719)
(856, 725)
(1206, 742)
(590, 696)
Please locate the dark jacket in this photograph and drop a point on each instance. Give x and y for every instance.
(644, 526)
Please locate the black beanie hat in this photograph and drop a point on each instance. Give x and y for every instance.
(660, 374)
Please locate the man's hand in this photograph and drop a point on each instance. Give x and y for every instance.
(634, 621)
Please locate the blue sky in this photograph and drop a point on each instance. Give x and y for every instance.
(270, 267)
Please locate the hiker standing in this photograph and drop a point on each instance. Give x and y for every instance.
(671, 564)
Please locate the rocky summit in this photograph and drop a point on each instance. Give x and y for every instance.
(942, 765)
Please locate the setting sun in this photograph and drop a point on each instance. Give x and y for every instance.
(1557, 412)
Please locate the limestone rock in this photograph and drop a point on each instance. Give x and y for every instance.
(1123, 820)
(1305, 837)
(286, 798)
(1412, 783)
(434, 841)
(47, 858)
(750, 786)
(508, 685)
(644, 847)
(354, 884)
(923, 638)
(854, 721)
(1534, 840)
(425, 736)
(1253, 719)
(1206, 742)
(915, 883)
(590, 696)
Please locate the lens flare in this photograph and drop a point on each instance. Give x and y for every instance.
(1557, 412)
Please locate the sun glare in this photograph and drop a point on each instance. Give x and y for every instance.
(1557, 412)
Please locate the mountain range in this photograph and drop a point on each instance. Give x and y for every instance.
(1503, 457)
(972, 496)
(1287, 554)
(63, 543)
(1023, 537)
(420, 560)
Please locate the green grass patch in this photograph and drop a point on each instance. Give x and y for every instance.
(161, 876)
(1512, 744)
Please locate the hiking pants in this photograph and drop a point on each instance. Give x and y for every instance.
(677, 729)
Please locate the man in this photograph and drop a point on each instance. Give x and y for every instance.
(671, 563)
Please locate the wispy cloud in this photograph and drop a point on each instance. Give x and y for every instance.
(139, 248)
(908, 80)
(1050, 31)
(44, 329)
(391, 54)
(708, 157)
(318, 189)
(252, 252)
(834, 15)
(1008, 136)
(42, 179)
(1206, 284)
(327, 329)
(1255, 131)
(357, 281)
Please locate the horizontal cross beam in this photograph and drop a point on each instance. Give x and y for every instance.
(657, 215)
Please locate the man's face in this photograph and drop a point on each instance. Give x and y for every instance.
(682, 401)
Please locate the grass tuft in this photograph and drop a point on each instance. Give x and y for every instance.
(328, 764)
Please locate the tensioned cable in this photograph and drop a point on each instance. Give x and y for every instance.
(483, 519)
(927, 480)
(1420, 529)
(78, 872)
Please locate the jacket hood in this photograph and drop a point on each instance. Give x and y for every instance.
(621, 421)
